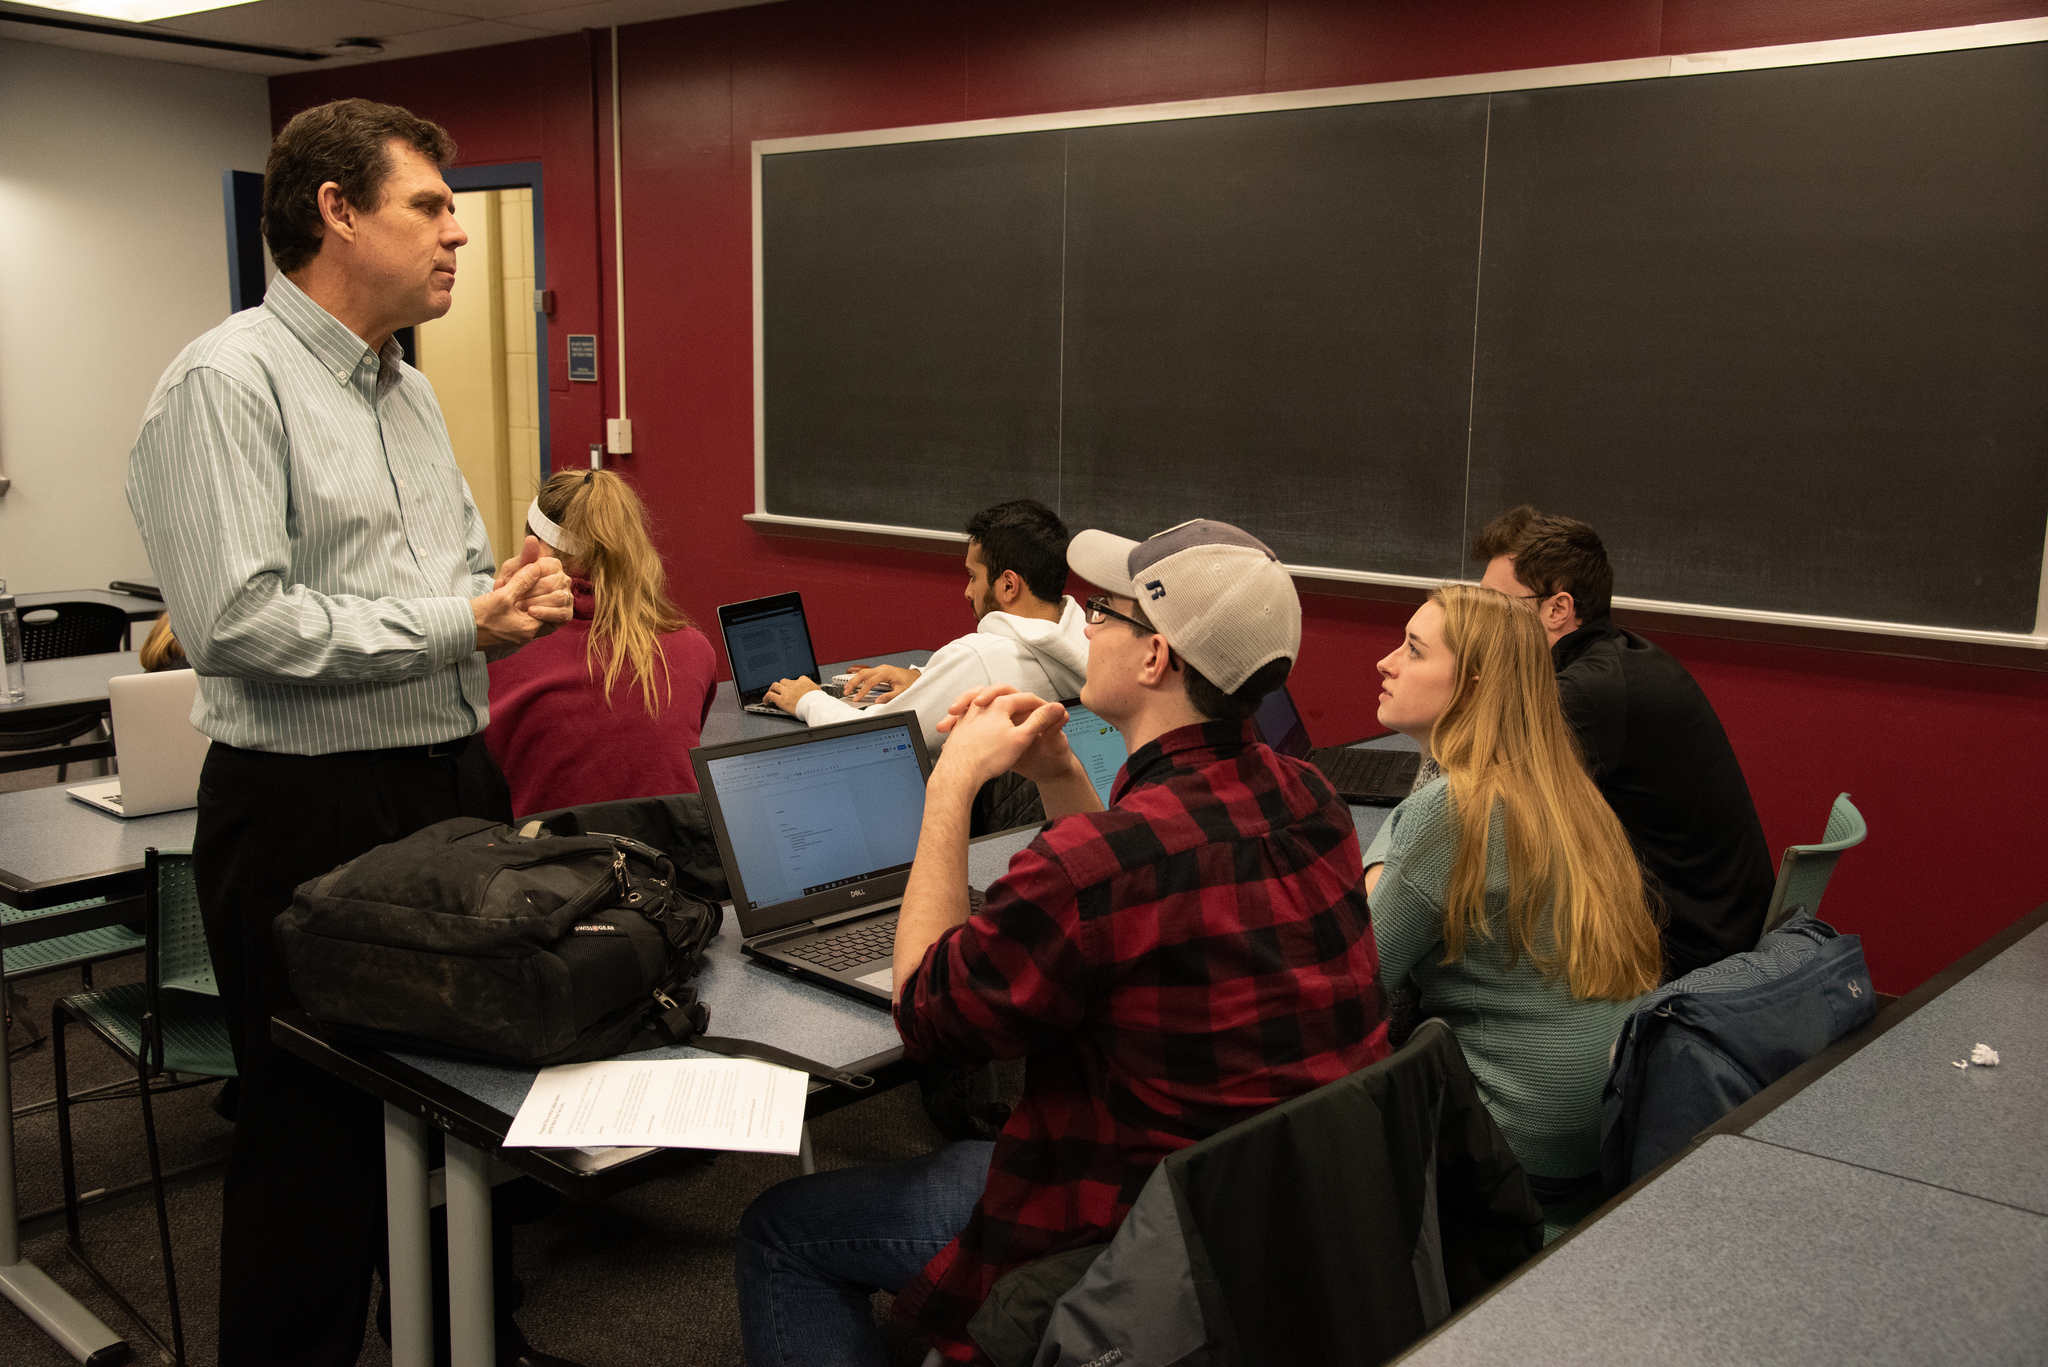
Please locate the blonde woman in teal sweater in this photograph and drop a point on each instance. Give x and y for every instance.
(1506, 888)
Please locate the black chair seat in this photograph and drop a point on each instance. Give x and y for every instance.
(47, 728)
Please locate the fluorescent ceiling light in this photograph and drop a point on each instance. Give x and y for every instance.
(134, 11)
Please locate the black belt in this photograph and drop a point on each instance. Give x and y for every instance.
(440, 749)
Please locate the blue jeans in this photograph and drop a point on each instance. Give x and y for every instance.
(813, 1249)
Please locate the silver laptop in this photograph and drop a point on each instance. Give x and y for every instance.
(159, 749)
(817, 830)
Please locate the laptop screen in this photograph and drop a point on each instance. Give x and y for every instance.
(807, 818)
(1098, 745)
(767, 640)
(1280, 726)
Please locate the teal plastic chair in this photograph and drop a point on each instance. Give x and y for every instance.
(170, 1022)
(80, 951)
(1804, 871)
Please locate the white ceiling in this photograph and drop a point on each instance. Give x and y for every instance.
(406, 28)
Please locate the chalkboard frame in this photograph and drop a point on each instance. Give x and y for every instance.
(1349, 580)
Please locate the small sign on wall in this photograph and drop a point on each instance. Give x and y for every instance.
(583, 356)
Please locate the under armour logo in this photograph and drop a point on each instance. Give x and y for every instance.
(1855, 988)
(1156, 589)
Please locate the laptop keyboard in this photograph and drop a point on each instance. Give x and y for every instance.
(864, 943)
(1358, 771)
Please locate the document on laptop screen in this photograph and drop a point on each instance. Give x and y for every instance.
(769, 648)
(807, 818)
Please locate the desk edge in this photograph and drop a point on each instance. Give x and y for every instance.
(1739, 1120)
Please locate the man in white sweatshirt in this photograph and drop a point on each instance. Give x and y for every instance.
(1031, 634)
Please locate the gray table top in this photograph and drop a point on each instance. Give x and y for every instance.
(1746, 1252)
(71, 681)
(54, 848)
(726, 723)
(749, 1001)
(752, 1002)
(139, 609)
(1900, 1106)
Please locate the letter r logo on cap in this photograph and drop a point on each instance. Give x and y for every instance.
(1156, 589)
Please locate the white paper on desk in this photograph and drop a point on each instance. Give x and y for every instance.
(676, 1103)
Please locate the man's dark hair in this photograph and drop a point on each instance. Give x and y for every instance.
(1552, 555)
(347, 142)
(1025, 536)
(1206, 698)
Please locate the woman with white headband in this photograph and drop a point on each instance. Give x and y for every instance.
(608, 706)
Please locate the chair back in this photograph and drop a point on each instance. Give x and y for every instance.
(58, 631)
(179, 957)
(1339, 1226)
(1804, 871)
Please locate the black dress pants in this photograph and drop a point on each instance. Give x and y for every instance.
(302, 1221)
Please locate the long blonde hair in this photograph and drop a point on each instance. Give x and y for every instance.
(1504, 739)
(605, 517)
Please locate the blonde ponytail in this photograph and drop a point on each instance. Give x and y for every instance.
(1576, 902)
(605, 517)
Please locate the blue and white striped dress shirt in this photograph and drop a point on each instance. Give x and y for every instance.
(316, 542)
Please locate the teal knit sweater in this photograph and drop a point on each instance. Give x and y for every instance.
(1539, 1056)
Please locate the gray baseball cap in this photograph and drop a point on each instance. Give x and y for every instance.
(1217, 594)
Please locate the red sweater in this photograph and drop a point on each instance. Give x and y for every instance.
(561, 746)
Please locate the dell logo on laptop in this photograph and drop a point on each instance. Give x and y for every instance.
(856, 892)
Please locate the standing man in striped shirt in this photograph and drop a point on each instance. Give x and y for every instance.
(331, 581)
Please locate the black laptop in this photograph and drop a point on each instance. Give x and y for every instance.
(1374, 778)
(768, 640)
(817, 830)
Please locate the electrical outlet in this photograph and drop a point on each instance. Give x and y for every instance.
(618, 436)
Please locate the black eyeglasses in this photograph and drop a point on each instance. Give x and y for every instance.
(1099, 611)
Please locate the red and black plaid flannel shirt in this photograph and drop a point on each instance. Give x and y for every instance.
(1195, 954)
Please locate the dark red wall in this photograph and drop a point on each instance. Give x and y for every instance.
(1946, 761)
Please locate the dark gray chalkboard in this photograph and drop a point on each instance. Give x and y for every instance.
(1780, 334)
(1258, 301)
(911, 327)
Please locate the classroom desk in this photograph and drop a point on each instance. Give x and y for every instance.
(473, 1104)
(726, 723)
(55, 850)
(53, 686)
(74, 681)
(1876, 1205)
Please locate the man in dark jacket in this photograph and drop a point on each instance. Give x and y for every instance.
(1650, 737)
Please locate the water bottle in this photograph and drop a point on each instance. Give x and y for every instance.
(14, 686)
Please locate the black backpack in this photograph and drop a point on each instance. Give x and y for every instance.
(475, 939)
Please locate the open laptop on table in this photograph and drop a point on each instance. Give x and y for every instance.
(768, 640)
(1375, 778)
(159, 749)
(817, 831)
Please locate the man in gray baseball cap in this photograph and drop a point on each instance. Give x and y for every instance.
(1194, 954)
